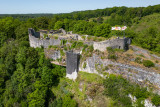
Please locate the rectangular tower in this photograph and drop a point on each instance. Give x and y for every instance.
(73, 60)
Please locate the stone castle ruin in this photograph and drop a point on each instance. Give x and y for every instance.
(38, 39)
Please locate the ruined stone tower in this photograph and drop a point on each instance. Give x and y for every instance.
(73, 60)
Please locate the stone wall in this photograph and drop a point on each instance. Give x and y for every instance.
(35, 41)
(114, 43)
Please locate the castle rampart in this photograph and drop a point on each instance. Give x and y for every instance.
(35, 41)
(114, 43)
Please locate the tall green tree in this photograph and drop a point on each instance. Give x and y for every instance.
(102, 30)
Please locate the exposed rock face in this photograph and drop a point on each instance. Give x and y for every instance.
(115, 43)
(146, 102)
(90, 64)
(146, 53)
(138, 75)
(52, 54)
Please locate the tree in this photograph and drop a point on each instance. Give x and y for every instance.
(102, 30)
(42, 22)
(58, 25)
(53, 21)
(66, 24)
(100, 20)
(22, 30)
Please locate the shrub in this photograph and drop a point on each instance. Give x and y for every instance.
(109, 49)
(157, 61)
(100, 39)
(84, 65)
(91, 48)
(68, 101)
(45, 35)
(94, 38)
(148, 63)
(141, 92)
(89, 38)
(115, 87)
(65, 48)
(84, 47)
(73, 44)
(110, 65)
(79, 44)
(53, 46)
(138, 60)
(105, 68)
(62, 53)
(56, 37)
(83, 37)
(112, 56)
(63, 42)
(156, 100)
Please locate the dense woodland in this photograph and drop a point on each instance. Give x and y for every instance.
(26, 76)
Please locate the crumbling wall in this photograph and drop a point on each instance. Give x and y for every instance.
(35, 41)
(73, 60)
(115, 43)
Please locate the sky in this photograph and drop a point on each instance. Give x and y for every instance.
(66, 6)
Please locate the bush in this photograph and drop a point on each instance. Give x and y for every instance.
(84, 65)
(112, 56)
(73, 44)
(156, 100)
(91, 48)
(138, 60)
(63, 42)
(84, 47)
(62, 53)
(148, 63)
(79, 44)
(157, 61)
(65, 48)
(110, 50)
(116, 87)
(45, 35)
(56, 37)
(141, 92)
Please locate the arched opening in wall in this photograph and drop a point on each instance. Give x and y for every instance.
(119, 47)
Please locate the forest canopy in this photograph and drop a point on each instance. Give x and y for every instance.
(26, 76)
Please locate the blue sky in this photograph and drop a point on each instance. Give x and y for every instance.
(65, 6)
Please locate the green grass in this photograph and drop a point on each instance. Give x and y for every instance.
(90, 78)
(85, 85)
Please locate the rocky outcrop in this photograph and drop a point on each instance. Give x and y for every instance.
(140, 51)
(146, 102)
(52, 54)
(136, 74)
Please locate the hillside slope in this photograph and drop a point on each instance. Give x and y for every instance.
(152, 20)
